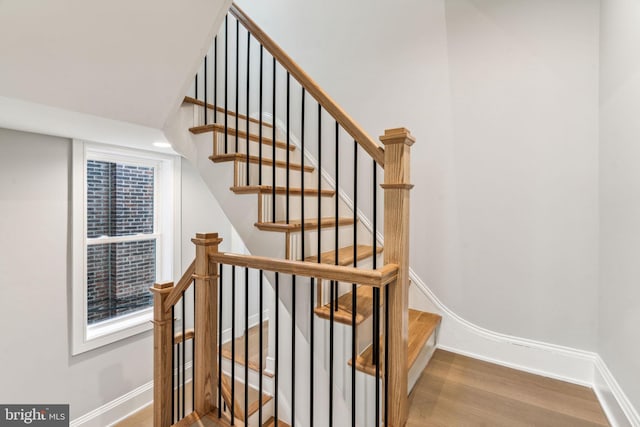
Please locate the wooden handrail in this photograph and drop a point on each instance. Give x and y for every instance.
(350, 125)
(375, 278)
(183, 284)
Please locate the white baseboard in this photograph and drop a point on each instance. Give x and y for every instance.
(563, 363)
(614, 401)
(123, 406)
(117, 409)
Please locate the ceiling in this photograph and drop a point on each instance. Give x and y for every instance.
(122, 60)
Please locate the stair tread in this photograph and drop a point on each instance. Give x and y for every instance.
(296, 224)
(267, 189)
(421, 327)
(345, 255)
(271, 422)
(364, 308)
(254, 398)
(254, 349)
(218, 127)
(241, 157)
(190, 100)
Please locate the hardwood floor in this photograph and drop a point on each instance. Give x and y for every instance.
(458, 391)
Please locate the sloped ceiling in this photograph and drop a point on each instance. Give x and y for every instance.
(120, 59)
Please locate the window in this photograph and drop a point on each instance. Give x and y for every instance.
(123, 226)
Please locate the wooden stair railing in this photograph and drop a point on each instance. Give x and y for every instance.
(204, 274)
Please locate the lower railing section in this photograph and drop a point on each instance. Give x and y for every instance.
(233, 379)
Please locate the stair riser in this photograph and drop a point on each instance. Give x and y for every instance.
(254, 377)
(295, 206)
(254, 148)
(295, 176)
(327, 241)
(198, 120)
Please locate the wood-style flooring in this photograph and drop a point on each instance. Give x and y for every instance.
(458, 391)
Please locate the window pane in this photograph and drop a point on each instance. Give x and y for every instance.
(120, 199)
(119, 276)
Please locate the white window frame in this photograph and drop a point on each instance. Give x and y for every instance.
(166, 232)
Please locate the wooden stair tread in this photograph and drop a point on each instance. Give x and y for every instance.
(364, 308)
(240, 157)
(218, 127)
(421, 327)
(267, 189)
(254, 348)
(345, 255)
(296, 224)
(271, 422)
(190, 100)
(253, 394)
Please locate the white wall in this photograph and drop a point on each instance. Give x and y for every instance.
(618, 342)
(35, 361)
(502, 98)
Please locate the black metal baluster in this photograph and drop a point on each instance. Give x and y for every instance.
(260, 363)
(376, 328)
(233, 343)
(184, 354)
(273, 148)
(220, 305)
(288, 142)
(311, 351)
(260, 122)
(376, 300)
(173, 363)
(277, 352)
(237, 112)
(293, 351)
(336, 233)
(178, 412)
(331, 347)
(226, 84)
(246, 344)
(215, 80)
(302, 237)
(248, 85)
(319, 185)
(195, 95)
(354, 289)
(206, 106)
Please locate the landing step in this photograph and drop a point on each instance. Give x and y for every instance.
(217, 127)
(345, 255)
(254, 349)
(295, 225)
(190, 100)
(267, 189)
(421, 326)
(242, 158)
(271, 422)
(364, 307)
(254, 398)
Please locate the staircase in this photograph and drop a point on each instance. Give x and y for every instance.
(327, 249)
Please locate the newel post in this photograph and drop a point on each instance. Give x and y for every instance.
(206, 322)
(162, 348)
(397, 187)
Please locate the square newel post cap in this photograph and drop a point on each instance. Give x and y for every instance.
(207, 239)
(397, 136)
